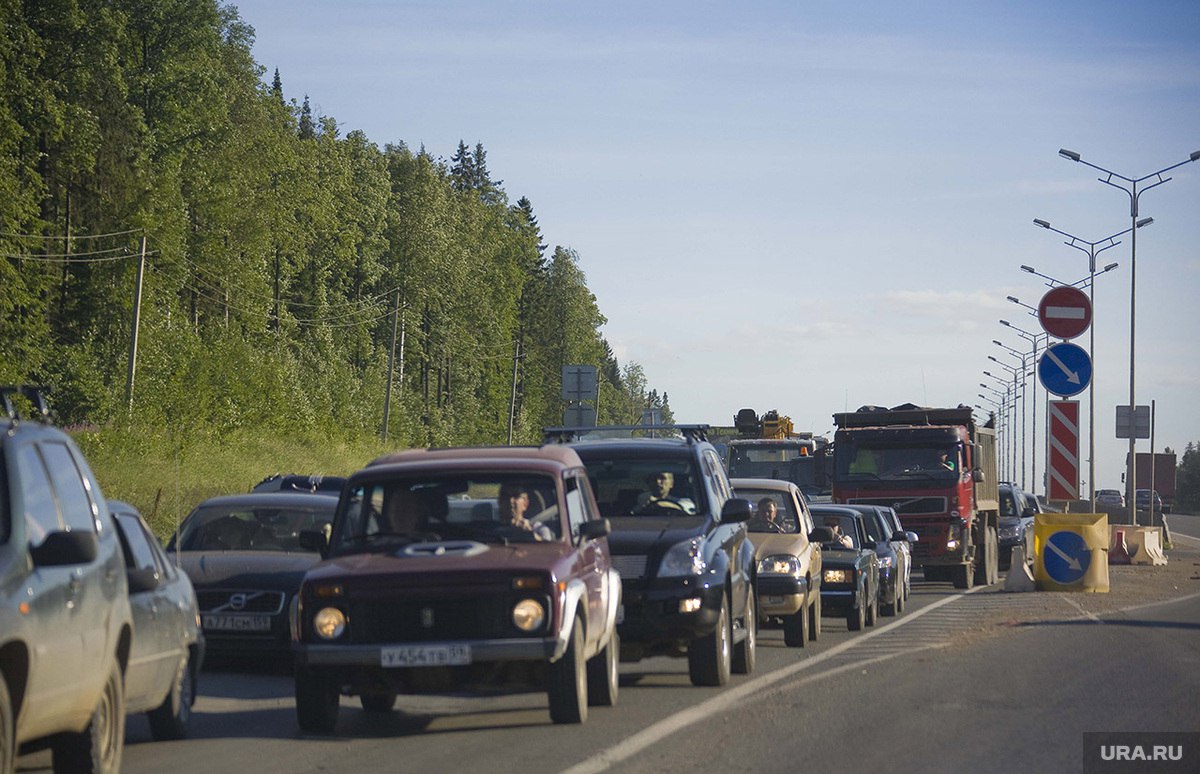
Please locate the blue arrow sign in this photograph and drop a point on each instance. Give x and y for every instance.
(1065, 369)
(1066, 557)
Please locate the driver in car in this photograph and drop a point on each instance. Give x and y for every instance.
(513, 502)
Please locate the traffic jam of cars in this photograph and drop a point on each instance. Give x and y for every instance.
(533, 568)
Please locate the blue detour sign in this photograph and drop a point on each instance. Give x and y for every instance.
(1065, 369)
(1066, 557)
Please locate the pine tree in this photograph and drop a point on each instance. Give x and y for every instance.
(308, 128)
(462, 169)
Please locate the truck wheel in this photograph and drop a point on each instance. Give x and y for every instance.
(796, 627)
(985, 565)
(96, 749)
(964, 576)
(602, 676)
(814, 622)
(745, 652)
(317, 702)
(170, 719)
(568, 689)
(709, 656)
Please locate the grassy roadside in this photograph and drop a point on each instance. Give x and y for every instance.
(165, 477)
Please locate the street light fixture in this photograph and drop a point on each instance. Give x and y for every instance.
(1093, 249)
(1130, 186)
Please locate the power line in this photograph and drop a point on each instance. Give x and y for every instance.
(65, 258)
(73, 236)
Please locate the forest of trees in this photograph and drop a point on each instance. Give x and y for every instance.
(282, 260)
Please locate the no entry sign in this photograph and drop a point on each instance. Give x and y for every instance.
(1065, 312)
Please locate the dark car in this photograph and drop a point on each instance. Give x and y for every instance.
(1142, 500)
(892, 519)
(243, 555)
(890, 545)
(850, 582)
(292, 482)
(455, 568)
(65, 622)
(168, 646)
(680, 542)
(1017, 511)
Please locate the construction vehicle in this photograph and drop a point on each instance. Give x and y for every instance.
(769, 447)
(937, 468)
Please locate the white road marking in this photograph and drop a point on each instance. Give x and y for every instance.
(635, 744)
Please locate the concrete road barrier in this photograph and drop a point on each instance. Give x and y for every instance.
(1144, 544)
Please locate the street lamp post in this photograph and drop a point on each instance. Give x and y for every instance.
(1024, 403)
(1092, 249)
(1130, 186)
(1002, 432)
(1009, 388)
(1034, 339)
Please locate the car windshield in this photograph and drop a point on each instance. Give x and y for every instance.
(252, 527)
(845, 536)
(486, 507)
(881, 461)
(645, 487)
(773, 511)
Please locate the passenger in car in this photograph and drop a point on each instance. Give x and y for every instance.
(766, 517)
(513, 502)
(839, 537)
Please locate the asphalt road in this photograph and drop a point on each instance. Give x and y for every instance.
(982, 681)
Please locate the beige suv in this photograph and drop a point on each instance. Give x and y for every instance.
(788, 557)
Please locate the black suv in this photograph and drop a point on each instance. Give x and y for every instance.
(679, 540)
(65, 627)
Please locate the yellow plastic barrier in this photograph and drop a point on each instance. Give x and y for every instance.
(1071, 551)
(1144, 544)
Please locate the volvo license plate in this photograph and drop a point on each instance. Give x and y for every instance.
(238, 623)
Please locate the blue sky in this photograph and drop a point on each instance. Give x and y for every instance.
(810, 206)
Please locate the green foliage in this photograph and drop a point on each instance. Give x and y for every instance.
(276, 253)
(1187, 480)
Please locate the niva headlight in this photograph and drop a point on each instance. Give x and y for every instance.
(684, 558)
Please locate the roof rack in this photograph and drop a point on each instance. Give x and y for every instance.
(692, 433)
(34, 393)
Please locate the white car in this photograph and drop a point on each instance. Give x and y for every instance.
(1110, 497)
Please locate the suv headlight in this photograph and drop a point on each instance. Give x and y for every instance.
(683, 558)
(885, 562)
(1010, 531)
(779, 564)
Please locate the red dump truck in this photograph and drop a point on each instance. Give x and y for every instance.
(1164, 476)
(937, 468)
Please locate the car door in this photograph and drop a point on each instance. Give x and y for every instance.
(592, 559)
(154, 651)
(67, 610)
(730, 537)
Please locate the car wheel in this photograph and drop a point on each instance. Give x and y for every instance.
(890, 611)
(568, 681)
(856, 619)
(796, 627)
(899, 598)
(602, 675)
(814, 622)
(985, 566)
(170, 719)
(8, 753)
(378, 703)
(745, 652)
(873, 608)
(317, 702)
(709, 656)
(97, 748)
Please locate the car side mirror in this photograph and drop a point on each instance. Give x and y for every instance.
(142, 580)
(594, 530)
(911, 537)
(821, 535)
(900, 537)
(736, 510)
(313, 540)
(1029, 512)
(65, 548)
(977, 476)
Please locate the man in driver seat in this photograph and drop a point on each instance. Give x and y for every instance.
(659, 484)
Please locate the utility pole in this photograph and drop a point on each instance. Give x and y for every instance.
(133, 335)
(387, 391)
(512, 401)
